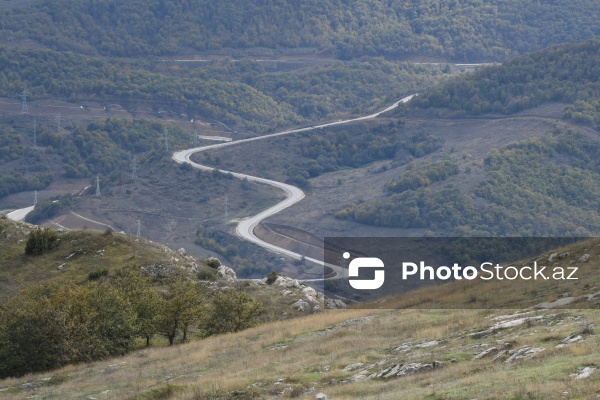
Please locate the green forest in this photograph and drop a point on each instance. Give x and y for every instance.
(247, 94)
(460, 30)
(103, 148)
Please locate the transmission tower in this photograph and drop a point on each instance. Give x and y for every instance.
(34, 132)
(166, 139)
(139, 228)
(97, 186)
(35, 198)
(134, 169)
(58, 126)
(196, 139)
(24, 108)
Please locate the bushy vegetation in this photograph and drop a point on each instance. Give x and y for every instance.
(423, 175)
(564, 73)
(41, 240)
(458, 29)
(540, 187)
(20, 183)
(48, 209)
(50, 325)
(336, 150)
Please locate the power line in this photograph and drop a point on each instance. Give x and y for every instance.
(134, 169)
(97, 186)
(166, 139)
(34, 132)
(24, 107)
(58, 126)
(196, 139)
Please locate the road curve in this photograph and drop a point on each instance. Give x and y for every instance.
(245, 228)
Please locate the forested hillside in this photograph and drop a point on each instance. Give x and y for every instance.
(540, 186)
(462, 30)
(563, 73)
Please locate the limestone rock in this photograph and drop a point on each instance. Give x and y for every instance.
(335, 304)
(524, 353)
(584, 373)
(301, 306)
(286, 282)
(485, 353)
(352, 367)
(226, 273)
(584, 258)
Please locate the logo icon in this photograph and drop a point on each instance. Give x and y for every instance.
(365, 262)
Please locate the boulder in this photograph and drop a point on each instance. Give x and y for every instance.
(310, 293)
(335, 304)
(182, 252)
(584, 258)
(226, 273)
(352, 367)
(286, 282)
(301, 306)
(584, 373)
(321, 396)
(485, 353)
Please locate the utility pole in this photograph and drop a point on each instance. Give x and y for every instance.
(97, 186)
(134, 169)
(166, 139)
(35, 198)
(226, 208)
(139, 228)
(58, 127)
(196, 139)
(24, 108)
(34, 132)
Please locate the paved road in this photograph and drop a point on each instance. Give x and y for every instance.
(245, 228)
(19, 215)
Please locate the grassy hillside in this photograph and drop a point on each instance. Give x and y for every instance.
(459, 29)
(349, 354)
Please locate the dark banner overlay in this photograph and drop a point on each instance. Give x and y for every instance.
(429, 272)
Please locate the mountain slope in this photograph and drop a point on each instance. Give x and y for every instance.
(456, 29)
(350, 354)
(563, 73)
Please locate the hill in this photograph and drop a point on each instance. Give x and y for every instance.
(83, 295)
(543, 183)
(349, 354)
(564, 73)
(457, 30)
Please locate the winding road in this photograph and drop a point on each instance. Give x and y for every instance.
(245, 228)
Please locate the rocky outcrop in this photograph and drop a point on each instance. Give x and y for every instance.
(226, 274)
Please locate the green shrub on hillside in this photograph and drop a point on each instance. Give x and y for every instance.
(41, 240)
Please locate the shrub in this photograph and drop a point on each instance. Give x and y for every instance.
(41, 241)
(213, 262)
(272, 277)
(95, 275)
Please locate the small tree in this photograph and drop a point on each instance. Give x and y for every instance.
(231, 311)
(181, 307)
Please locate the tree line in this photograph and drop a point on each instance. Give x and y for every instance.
(48, 325)
(462, 30)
